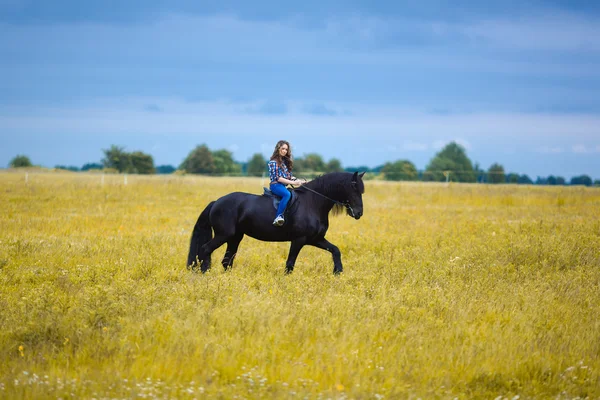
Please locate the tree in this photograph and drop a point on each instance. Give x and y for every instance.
(333, 165)
(257, 165)
(312, 162)
(88, 166)
(480, 174)
(452, 158)
(496, 173)
(401, 170)
(224, 163)
(67, 168)
(20, 161)
(362, 168)
(525, 180)
(116, 157)
(555, 180)
(512, 178)
(581, 180)
(199, 161)
(165, 169)
(142, 163)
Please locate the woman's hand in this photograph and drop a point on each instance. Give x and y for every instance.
(298, 182)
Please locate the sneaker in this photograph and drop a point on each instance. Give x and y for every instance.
(279, 220)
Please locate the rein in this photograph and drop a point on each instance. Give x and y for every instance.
(346, 204)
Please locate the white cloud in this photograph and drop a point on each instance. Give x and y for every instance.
(560, 31)
(414, 146)
(188, 40)
(439, 144)
(549, 150)
(582, 149)
(411, 127)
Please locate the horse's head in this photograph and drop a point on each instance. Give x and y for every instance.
(354, 203)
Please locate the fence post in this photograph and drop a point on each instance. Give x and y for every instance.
(447, 175)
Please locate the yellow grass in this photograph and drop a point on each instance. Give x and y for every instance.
(462, 291)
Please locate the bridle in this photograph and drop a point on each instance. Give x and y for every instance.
(345, 204)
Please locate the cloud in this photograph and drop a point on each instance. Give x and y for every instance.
(361, 137)
(582, 149)
(414, 146)
(268, 108)
(359, 40)
(153, 108)
(549, 150)
(412, 128)
(548, 30)
(319, 109)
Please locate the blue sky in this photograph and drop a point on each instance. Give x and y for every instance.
(366, 82)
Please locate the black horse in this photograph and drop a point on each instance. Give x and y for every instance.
(237, 214)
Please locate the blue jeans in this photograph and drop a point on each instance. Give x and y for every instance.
(280, 190)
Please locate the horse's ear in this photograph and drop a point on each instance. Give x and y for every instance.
(355, 177)
(363, 174)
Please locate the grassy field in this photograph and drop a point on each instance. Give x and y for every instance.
(468, 291)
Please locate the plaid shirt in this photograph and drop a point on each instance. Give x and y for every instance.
(276, 171)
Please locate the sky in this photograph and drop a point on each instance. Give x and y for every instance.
(367, 82)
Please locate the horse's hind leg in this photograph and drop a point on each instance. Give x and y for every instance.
(232, 248)
(207, 249)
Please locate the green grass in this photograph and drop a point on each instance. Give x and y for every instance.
(466, 291)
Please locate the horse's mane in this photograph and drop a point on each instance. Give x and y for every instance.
(324, 183)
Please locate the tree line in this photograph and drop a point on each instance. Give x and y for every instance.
(449, 164)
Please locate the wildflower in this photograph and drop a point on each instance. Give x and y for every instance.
(21, 352)
(339, 387)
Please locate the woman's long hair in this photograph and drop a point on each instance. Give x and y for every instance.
(288, 159)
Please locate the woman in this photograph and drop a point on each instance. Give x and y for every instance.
(280, 173)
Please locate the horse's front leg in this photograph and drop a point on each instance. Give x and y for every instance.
(335, 252)
(295, 248)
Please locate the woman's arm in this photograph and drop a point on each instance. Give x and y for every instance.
(286, 181)
(272, 165)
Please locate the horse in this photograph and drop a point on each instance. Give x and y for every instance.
(237, 214)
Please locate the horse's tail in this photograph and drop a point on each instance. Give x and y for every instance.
(201, 235)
